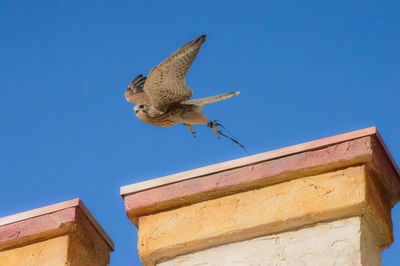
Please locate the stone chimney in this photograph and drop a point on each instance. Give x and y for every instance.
(324, 202)
(60, 234)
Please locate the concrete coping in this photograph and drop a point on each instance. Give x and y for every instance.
(254, 159)
(46, 217)
(359, 147)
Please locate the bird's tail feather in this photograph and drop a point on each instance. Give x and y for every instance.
(211, 99)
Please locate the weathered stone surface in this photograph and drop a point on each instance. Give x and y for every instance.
(249, 214)
(360, 147)
(332, 179)
(60, 234)
(87, 247)
(50, 252)
(329, 243)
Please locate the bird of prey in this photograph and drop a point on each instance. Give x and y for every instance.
(163, 99)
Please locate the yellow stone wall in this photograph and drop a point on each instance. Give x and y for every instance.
(271, 209)
(51, 252)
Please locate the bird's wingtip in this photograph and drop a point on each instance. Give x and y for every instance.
(202, 38)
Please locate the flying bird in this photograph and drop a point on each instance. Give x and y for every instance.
(163, 98)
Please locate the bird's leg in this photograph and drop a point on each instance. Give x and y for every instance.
(214, 126)
(191, 129)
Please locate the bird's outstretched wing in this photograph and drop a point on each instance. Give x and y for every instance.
(165, 84)
(134, 93)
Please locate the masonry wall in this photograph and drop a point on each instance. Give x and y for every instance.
(61, 234)
(325, 202)
(329, 243)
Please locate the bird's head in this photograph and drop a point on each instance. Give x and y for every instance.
(140, 108)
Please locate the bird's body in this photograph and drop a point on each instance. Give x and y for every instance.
(187, 112)
(179, 113)
(163, 99)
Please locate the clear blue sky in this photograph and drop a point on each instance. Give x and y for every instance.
(305, 71)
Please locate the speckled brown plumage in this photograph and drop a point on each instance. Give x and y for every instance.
(163, 99)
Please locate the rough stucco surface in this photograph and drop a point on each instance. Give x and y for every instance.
(258, 197)
(51, 252)
(330, 243)
(248, 176)
(250, 214)
(370, 251)
(63, 237)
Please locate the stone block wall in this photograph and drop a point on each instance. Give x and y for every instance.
(325, 202)
(61, 234)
